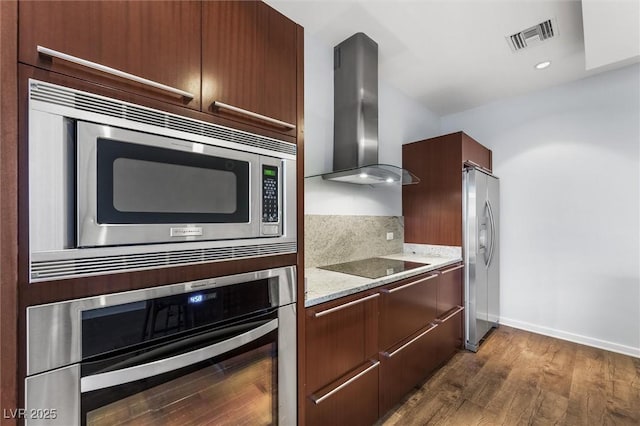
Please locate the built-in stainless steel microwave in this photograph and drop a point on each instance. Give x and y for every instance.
(115, 186)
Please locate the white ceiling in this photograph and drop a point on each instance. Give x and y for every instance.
(452, 55)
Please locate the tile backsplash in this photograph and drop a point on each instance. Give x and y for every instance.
(337, 239)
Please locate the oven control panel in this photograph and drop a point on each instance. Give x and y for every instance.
(270, 199)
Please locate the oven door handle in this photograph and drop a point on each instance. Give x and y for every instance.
(138, 372)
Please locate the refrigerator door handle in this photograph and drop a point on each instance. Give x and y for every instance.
(493, 232)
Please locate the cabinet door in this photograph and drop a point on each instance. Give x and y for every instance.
(351, 401)
(476, 153)
(232, 55)
(279, 99)
(432, 209)
(249, 54)
(340, 336)
(158, 41)
(406, 308)
(450, 289)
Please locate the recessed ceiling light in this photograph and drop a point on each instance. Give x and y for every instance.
(543, 65)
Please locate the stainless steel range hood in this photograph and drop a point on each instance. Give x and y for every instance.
(355, 128)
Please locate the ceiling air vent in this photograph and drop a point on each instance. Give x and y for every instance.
(533, 35)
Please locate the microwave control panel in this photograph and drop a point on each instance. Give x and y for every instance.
(270, 210)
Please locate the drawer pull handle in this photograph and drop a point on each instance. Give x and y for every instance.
(410, 342)
(452, 314)
(452, 269)
(474, 164)
(112, 71)
(402, 287)
(346, 305)
(218, 104)
(347, 383)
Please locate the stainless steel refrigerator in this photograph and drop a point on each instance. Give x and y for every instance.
(481, 251)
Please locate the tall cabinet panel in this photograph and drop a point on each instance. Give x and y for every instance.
(157, 41)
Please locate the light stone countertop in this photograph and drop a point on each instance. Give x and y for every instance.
(322, 285)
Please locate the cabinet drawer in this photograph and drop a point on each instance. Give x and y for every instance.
(406, 308)
(158, 42)
(340, 336)
(449, 334)
(450, 289)
(353, 400)
(406, 365)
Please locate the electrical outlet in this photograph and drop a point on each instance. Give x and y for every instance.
(389, 236)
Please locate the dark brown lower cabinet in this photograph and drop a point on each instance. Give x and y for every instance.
(406, 365)
(448, 335)
(420, 329)
(352, 401)
(449, 289)
(341, 380)
(407, 307)
(365, 352)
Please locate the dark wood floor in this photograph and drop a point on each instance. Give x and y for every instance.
(521, 378)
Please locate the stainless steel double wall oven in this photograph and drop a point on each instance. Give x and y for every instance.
(116, 187)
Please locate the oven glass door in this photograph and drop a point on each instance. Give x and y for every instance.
(137, 188)
(237, 386)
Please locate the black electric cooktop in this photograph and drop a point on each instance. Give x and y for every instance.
(375, 267)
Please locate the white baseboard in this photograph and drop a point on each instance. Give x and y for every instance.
(571, 337)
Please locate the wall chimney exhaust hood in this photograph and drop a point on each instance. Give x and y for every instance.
(355, 128)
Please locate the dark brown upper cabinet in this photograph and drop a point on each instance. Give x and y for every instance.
(432, 208)
(249, 64)
(157, 41)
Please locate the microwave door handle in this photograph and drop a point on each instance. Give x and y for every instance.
(139, 372)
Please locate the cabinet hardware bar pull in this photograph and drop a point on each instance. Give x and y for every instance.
(402, 287)
(347, 383)
(410, 342)
(440, 321)
(346, 305)
(473, 163)
(452, 269)
(253, 114)
(112, 71)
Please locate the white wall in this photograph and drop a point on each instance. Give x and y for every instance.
(569, 163)
(400, 119)
(611, 32)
